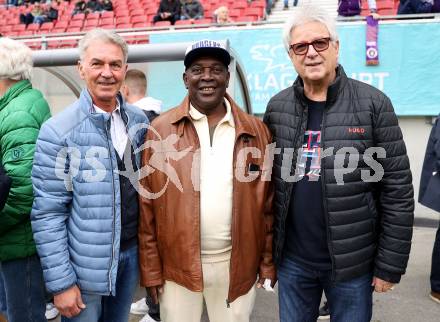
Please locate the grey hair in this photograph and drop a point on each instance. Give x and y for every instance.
(105, 36)
(15, 60)
(308, 13)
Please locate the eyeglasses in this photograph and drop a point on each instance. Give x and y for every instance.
(303, 47)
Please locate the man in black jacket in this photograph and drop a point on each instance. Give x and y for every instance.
(429, 196)
(5, 185)
(343, 187)
(169, 10)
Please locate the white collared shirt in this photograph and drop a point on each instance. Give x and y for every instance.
(118, 131)
(216, 181)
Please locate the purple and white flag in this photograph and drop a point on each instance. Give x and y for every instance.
(372, 49)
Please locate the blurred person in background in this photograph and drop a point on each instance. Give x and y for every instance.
(429, 196)
(415, 6)
(192, 10)
(134, 90)
(350, 8)
(22, 112)
(221, 15)
(169, 10)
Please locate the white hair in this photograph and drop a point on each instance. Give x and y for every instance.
(105, 36)
(15, 60)
(308, 13)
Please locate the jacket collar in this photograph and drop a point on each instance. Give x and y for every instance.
(241, 119)
(86, 105)
(14, 91)
(333, 90)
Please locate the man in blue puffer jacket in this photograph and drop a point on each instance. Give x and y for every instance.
(85, 212)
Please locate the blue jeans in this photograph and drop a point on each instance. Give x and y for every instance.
(2, 296)
(113, 308)
(300, 291)
(25, 290)
(435, 266)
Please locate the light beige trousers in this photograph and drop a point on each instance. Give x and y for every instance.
(178, 304)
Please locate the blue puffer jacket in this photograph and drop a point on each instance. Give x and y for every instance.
(76, 217)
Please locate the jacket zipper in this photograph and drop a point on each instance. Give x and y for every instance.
(113, 210)
(200, 241)
(324, 199)
(290, 187)
(234, 224)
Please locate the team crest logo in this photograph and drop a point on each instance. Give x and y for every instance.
(17, 153)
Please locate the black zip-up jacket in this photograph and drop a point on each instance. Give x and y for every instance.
(429, 193)
(369, 224)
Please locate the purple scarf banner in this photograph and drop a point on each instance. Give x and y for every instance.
(371, 41)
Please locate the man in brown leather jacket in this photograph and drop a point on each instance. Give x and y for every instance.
(206, 216)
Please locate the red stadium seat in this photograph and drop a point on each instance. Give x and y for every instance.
(141, 24)
(33, 27)
(162, 24)
(79, 16)
(106, 21)
(121, 20)
(203, 21)
(76, 23)
(93, 15)
(107, 14)
(91, 23)
(137, 12)
(183, 22)
(124, 26)
(61, 24)
(46, 27)
(137, 19)
(18, 28)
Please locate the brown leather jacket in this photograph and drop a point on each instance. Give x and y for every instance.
(169, 227)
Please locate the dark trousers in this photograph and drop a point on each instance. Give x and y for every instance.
(24, 289)
(171, 19)
(300, 291)
(435, 266)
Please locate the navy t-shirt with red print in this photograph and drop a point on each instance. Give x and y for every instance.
(306, 233)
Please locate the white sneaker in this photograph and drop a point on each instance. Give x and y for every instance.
(147, 318)
(51, 311)
(139, 308)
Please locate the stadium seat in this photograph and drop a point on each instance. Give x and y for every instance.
(18, 28)
(162, 24)
(141, 24)
(46, 27)
(93, 16)
(183, 22)
(137, 12)
(91, 23)
(137, 19)
(79, 16)
(203, 21)
(33, 27)
(121, 20)
(106, 21)
(76, 23)
(107, 14)
(124, 26)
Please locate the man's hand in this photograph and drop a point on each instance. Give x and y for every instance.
(69, 303)
(381, 286)
(154, 292)
(261, 283)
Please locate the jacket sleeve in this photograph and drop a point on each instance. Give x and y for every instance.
(267, 266)
(429, 164)
(5, 186)
(149, 258)
(51, 209)
(18, 135)
(395, 201)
